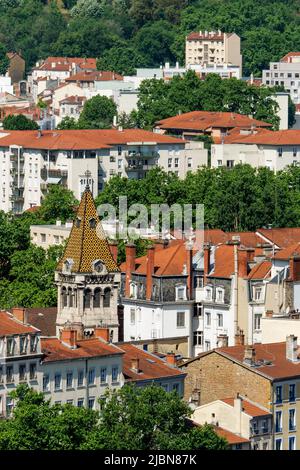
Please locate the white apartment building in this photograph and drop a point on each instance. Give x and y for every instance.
(6, 85)
(213, 47)
(30, 161)
(274, 150)
(49, 235)
(286, 73)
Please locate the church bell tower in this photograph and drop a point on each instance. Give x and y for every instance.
(87, 276)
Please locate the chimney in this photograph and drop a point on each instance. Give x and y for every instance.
(150, 272)
(239, 338)
(206, 249)
(242, 263)
(249, 355)
(237, 411)
(130, 251)
(19, 313)
(135, 363)
(291, 348)
(114, 250)
(171, 359)
(222, 341)
(69, 338)
(102, 333)
(269, 313)
(294, 268)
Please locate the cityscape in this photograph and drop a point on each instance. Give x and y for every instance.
(149, 226)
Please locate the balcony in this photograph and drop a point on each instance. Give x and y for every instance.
(139, 166)
(141, 154)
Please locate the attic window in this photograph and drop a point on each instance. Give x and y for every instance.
(97, 266)
(68, 265)
(77, 222)
(92, 223)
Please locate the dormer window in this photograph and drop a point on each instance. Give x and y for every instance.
(181, 293)
(92, 223)
(33, 343)
(77, 222)
(68, 265)
(10, 346)
(97, 266)
(208, 293)
(220, 295)
(133, 290)
(23, 344)
(258, 294)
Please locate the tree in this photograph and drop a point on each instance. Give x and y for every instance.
(67, 123)
(88, 9)
(154, 43)
(19, 122)
(148, 418)
(98, 113)
(122, 58)
(4, 60)
(59, 204)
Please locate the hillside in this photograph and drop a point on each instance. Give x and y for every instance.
(130, 33)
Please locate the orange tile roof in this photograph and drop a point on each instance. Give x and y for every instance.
(73, 100)
(168, 261)
(289, 251)
(230, 437)
(87, 244)
(248, 407)
(102, 76)
(204, 120)
(89, 139)
(83, 63)
(151, 367)
(282, 237)
(280, 367)
(286, 137)
(248, 239)
(224, 262)
(289, 55)
(260, 270)
(238, 133)
(195, 36)
(54, 350)
(11, 326)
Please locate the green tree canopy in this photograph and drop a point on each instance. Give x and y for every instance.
(98, 113)
(59, 204)
(19, 122)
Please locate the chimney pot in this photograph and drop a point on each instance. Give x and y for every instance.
(69, 337)
(102, 333)
(171, 359)
(114, 250)
(19, 313)
(135, 362)
(249, 355)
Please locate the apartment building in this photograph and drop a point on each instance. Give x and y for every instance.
(266, 374)
(285, 73)
(49, 235)
(240, 416)
(30, 161)
(272, 149)
(214, 124)
(213, 47)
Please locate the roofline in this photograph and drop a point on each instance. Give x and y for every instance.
(179, 375)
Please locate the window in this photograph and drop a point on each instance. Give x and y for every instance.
(176, 387)
(292, 443)
(265, 428)
(32, 371)
(112, 159)
(132, 316)
(87, 299)
(207, 318)
(22, 372)
(198, 310)
(22, 344)
(57, 382)
(80, 402)
(230, 163)
(91, 403)
(169, 162)
(10, 346)
(91, 377)
(220, 295)
(208, 293)
(92, 222)
(257, 318)
(180, 293)
(9, 406)
(292, 420)
(180, 319)
(207, 345)
(46, 383)
(190, 162)
(278, 421)
(198, 338)
(133, 290)
(220, 320)
(103, 375)
(69, 402)
(43, 237)
(278, 444)
(97, 297)
(257, 294)
(279, 394)
(294, 152)
(115, 374)
(120, 163)
(80, 378)
(64, 297)
(279, 152)
(119, 150)
(292, 395)
(106, 297)
(69, 379)
(176, 162)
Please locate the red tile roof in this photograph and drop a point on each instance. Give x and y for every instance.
(282, 237)
(151, 367)
(224, 262)
(83, 63)
(289, 251)
(195, 36)
(230, 437)
(247, 239)
(248, 407)
(260, 270)
(88, 139)
(204, 120)
(54, 350)
(11, 326)
(286, 137)
(280, 367)
(101, 76)
(44, 319)
(73, 100)
(238, 133)
(289, 56)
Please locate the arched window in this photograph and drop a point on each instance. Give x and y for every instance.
(70, 293)
(97, 297)
(106, 298)
(64, 297)
(87, 299)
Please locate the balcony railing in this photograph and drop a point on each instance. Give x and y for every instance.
(141, 154)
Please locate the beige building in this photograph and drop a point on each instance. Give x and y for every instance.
(241, 417)
(213, 47)
(49, 235)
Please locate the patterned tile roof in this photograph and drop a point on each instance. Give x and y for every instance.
(87, 241)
